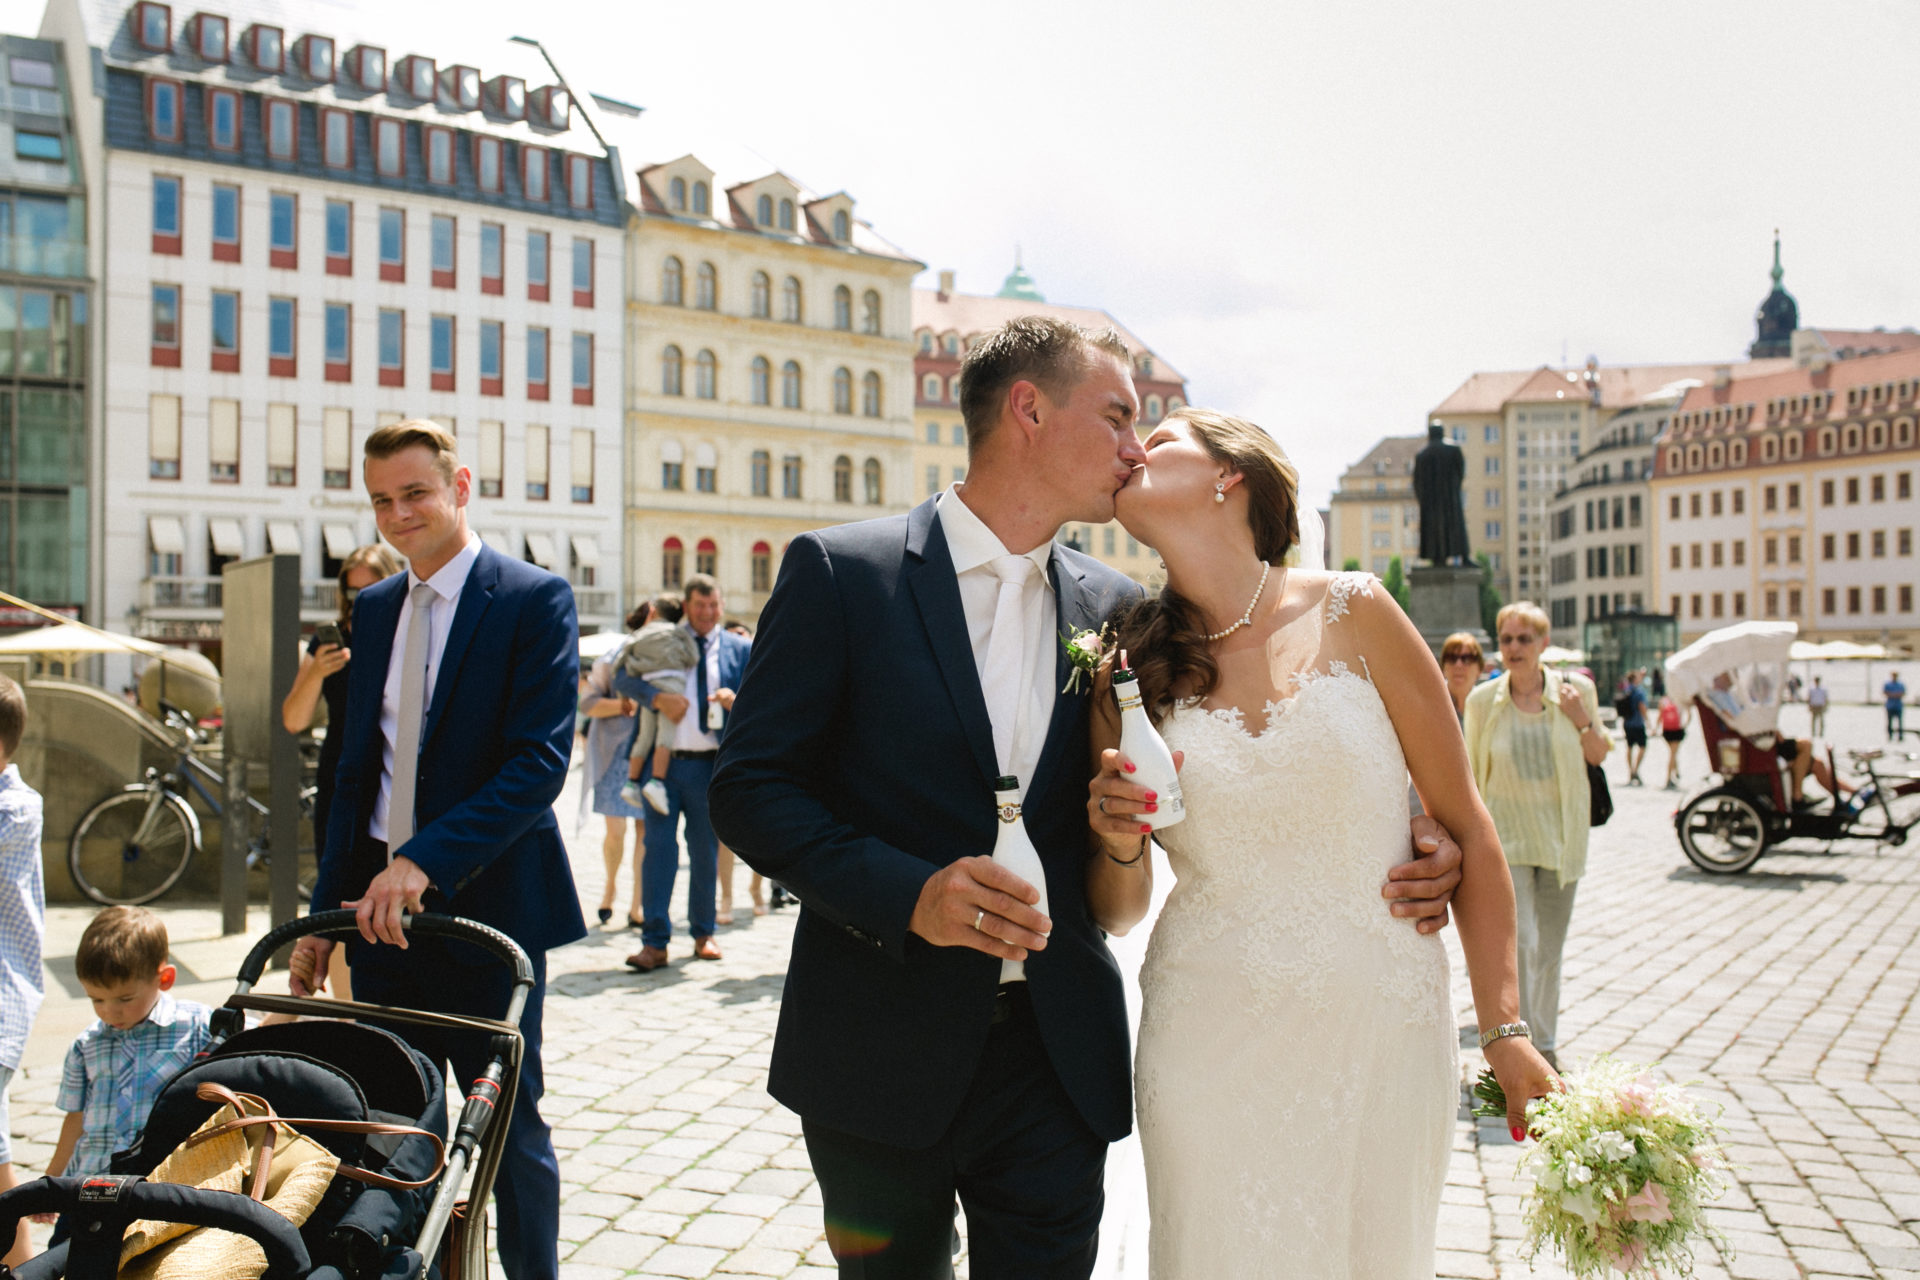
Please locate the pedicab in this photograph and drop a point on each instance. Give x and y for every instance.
(1736, 677)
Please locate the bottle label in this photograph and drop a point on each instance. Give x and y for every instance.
(1130, 699)
(1009, 813)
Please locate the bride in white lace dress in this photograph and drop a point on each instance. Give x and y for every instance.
(1296, 1076)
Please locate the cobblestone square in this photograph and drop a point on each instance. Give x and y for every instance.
(1788, 993)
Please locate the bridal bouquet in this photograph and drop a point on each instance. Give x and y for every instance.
(1622, 1171)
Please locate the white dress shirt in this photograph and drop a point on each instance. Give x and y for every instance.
(447, 585)
(974, 547)
(691, 734)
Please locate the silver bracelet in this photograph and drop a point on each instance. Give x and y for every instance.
(1504, 1030)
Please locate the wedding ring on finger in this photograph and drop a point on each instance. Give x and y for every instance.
(978, 916)
(1102, 804)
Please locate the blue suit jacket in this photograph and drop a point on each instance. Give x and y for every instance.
(859, 760)
(733, 669)
(493, 753)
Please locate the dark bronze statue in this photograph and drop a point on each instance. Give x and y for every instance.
(1439, 470)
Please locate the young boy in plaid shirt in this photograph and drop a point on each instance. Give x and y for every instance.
(116, 1067)
(23, 926)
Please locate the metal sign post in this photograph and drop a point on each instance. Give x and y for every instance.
(259, 644)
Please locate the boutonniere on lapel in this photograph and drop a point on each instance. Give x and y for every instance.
(1084, 651)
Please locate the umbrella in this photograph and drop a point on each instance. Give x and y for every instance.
(1554, 655)
(70, 639)
(599, 644)
(1805, 651)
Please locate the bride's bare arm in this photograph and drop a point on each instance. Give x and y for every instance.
(1415, 694)
(1119, 853)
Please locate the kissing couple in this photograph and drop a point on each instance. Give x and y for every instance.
(950, 1028)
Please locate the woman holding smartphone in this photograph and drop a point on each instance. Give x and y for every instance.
(323, 674)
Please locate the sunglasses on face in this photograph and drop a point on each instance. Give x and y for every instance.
(1461, 657)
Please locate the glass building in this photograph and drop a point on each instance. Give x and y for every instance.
(43, 335)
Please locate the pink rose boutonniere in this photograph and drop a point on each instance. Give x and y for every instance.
(1084, 651)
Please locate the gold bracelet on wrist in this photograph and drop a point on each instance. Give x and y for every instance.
(1134, 860)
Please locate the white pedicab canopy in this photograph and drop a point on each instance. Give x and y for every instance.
(1739, 671)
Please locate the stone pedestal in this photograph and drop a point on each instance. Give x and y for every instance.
(1443, 599)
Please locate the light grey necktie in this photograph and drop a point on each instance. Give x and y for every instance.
(413, 710)
(1004, 675)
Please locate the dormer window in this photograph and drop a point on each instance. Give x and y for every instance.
(786, 215)
(550, 106)
(763, 211)
(677, 195)
(266, 48)
(153, 26)
(460, 88)
(842, 226)
(210, 37)
(702, 198)
(507, 96)
(416, 76)
(313, 57)
(368, 66)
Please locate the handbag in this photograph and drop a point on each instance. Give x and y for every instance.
(1602, 797)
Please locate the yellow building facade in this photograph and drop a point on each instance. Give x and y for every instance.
(769, 378)
(1374, 516)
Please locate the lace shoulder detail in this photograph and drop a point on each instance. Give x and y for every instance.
(1340, 589)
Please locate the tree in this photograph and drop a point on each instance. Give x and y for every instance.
(1352, 565)
(1490, 601)
(1396, 584)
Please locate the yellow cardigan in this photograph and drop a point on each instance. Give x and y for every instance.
(1488, 703)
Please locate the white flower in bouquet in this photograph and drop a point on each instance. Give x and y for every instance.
(1622, 1171)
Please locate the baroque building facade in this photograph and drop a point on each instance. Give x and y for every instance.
(1373, 515)
(311, 225)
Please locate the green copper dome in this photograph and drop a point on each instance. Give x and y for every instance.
(1020, 285)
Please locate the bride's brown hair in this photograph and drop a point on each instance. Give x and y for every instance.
(1162, 634)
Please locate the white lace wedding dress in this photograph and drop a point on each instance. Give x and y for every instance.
(1297, 1071)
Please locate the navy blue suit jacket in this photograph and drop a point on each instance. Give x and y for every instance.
(493, 754)
(860, 760)
(733, 670)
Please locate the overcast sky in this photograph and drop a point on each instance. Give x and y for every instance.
(1325, 215)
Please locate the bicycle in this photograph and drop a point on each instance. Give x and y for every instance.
(135, 843)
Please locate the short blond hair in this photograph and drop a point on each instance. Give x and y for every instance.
(398, 436)
(1526, 611)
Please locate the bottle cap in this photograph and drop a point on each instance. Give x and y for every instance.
(1124, 675)
(1007, 782)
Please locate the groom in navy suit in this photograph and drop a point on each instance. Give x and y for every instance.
(460, 701)
(859, 771)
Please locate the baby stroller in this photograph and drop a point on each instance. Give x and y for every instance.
(356, 1089)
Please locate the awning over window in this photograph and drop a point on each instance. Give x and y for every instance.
(586, 551)
(540, 550)
(340, 539)
(503, 543)
(283, 537)
(227, 537)
(168, 536)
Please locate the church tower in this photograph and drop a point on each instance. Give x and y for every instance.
(1777, 318)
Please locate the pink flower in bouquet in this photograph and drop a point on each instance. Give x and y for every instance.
(1640, 1096)
(1650, 1204)
(1090, 643)
(1630, 1258)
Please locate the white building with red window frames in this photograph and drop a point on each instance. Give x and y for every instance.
(307, 222)
(1791, 495)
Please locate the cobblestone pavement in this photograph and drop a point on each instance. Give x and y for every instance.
(1788, 992)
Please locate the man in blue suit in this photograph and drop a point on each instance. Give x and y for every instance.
(699, 724)
(459, 722)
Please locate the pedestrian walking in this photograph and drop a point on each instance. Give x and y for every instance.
(1896, 694)
(1673, 728)
(1817, 708)
(1530, 736)
(1632, 706)
(1462, 663)
(611, 717)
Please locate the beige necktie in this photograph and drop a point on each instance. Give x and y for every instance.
(1003, 677)
(413, 710)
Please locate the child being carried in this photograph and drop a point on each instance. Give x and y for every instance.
(659, 653)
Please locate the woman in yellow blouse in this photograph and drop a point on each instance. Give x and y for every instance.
(1531, 733)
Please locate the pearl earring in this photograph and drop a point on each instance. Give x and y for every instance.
(1220, 491)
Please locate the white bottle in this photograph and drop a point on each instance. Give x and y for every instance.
(1013, 849)
(716, 716)
(1141, 743)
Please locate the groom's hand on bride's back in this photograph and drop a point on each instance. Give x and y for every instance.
(1421, 889)
(980, 890)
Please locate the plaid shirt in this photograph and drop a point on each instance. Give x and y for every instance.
(114, 1077)
(23, 914)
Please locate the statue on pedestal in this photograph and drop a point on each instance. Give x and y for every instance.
(1439, 470)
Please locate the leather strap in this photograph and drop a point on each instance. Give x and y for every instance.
(263, 1164)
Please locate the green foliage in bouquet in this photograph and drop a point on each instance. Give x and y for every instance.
(1622, 1168)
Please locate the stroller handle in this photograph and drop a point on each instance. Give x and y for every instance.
(107, 1204)
(426, 924)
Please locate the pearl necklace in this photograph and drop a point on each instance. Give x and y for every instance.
(1246, 619)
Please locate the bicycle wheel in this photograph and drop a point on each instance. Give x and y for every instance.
(1722, 833)
(131, 847)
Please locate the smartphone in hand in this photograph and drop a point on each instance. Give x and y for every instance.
(328, 633)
